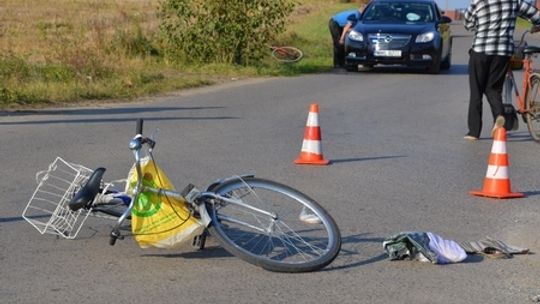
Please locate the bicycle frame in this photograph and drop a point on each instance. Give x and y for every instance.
(196, 199)
(528, 71)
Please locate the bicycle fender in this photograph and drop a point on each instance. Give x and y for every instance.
(224, 180)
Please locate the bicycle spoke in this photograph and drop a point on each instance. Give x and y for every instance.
(296, 237)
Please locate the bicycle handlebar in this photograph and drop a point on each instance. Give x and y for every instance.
(139, 126)
(523, 37)
(139, 138)
(532, 30)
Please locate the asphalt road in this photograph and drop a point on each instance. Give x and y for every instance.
(399, 163)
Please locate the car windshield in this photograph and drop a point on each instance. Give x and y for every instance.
(399, 12)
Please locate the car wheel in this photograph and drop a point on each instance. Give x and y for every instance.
(367, 67)
(445, 65)
(351, 67)
(435, 67)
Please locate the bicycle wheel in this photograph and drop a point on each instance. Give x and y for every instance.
(287, 54)
(299, 236)
(532, 107)
(114, 204)
(113, 209)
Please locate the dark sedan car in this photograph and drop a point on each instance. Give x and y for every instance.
(404, 32)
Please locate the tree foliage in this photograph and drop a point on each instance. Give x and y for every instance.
(227, 31)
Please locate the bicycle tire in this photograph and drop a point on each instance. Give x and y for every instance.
(287, 54)
(532, 107)
(508, 90)
(282, 244)
(114, 210)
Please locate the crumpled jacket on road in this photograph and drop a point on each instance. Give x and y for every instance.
(423, 246)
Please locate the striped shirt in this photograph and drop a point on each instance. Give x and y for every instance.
(494, 22)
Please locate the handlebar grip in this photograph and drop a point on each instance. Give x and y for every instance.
(139, 126)
(115, 235)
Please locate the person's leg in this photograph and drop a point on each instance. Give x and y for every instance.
(341, 53)
(335, 31)
(494, 85)
(478, 64)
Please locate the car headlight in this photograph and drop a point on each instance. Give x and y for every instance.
(356, 36)
(425, 37)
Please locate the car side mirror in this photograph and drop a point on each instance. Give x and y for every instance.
(445, 19)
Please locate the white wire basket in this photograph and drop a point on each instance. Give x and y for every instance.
(48, 209)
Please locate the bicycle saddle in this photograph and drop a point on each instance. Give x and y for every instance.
(531, 49)
(87, 193)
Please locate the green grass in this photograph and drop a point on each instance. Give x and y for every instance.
(67, 61)
(523, 23)
(26, 84)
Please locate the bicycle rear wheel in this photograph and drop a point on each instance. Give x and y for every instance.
(287, 54)
(508, 90)
(532, 107)
(299, 236)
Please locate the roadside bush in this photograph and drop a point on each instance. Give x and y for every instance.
(231, 32)
(135, 42)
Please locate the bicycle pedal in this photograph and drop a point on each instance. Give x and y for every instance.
(199, 241)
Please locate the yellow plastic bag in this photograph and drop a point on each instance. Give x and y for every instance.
(157, 220)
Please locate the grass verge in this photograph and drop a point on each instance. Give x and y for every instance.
(68, 51)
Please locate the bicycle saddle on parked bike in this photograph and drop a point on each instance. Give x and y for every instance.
(87, 193)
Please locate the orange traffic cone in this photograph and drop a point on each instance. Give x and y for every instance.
(311, 153)
(497, 183)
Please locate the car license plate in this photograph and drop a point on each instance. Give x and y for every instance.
(388, 53)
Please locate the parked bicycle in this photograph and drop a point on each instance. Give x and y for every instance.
(286, 54)
(263, 222)
(528, 101)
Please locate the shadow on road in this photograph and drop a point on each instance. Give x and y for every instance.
(519, 136)
(208, 252)
(112, 120)
(473, 258)
(349, 254)
(346, 160)
(17, 218)
(455, 69)
(99, 111)
(458, 69)
(531, 193)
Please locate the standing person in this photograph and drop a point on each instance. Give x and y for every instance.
(339, 25)
(493, 23)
